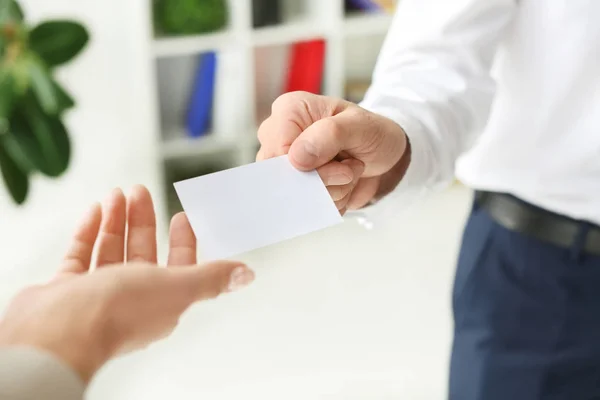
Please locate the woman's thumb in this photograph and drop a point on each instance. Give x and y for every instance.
(203, 282)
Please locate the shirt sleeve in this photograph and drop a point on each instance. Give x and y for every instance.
(433, 78)
(29, 374)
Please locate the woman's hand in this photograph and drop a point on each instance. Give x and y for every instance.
(87, 316)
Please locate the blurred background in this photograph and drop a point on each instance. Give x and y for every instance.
(170, 89)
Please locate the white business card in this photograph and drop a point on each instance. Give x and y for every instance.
(256, 205)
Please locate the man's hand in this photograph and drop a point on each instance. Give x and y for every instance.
(359, 155)
(86, 317)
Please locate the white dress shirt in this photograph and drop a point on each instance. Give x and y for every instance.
(504, 93)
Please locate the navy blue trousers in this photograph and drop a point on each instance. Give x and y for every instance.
(526, 316)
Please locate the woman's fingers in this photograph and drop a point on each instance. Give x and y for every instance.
(141, 226)
(182, 241)
(111, 243)
(79, 255)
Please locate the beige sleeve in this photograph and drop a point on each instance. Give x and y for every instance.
(29, 374)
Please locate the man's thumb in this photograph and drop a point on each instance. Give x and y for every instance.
(322, 141)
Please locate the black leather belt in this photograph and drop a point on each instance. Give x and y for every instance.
(519, 216)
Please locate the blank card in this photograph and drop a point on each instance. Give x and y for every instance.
(248, 207)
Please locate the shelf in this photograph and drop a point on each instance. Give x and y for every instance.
(252, 69)
(190, 45)
(178, 145)
(367, 24)
(289, 32)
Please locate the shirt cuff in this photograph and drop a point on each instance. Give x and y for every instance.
(27, 373)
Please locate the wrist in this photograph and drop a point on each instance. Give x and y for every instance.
(82, 355)
(392, 178)
(84, 360)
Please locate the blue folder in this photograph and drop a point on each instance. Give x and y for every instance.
(198, 120)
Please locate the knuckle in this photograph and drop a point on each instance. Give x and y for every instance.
(300, 106)
(137, 256)
(283, 102)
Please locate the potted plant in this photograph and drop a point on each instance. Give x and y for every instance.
(188, 17)
(33, 137)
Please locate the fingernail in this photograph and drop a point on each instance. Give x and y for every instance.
(357, 166)
(340, 179)
(240, 278)
(306, 154)
(93, 208)
(137, 189)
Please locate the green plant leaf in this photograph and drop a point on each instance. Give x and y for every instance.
(10, 10)
(43, 87)
(7, 99)
(15, 179)
(20, 73)
(65, 101)
(22, 137)
(62, 144)
(58, 42)
(15, 149)
(43, 138)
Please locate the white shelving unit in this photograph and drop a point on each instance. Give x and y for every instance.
(253, 64)
(172, 47)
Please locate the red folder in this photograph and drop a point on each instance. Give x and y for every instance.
(306, 65)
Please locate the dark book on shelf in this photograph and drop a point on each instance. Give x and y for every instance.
(266, 13)
(306, 65)
(352, 6)
(362, 5)
(199, 111)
